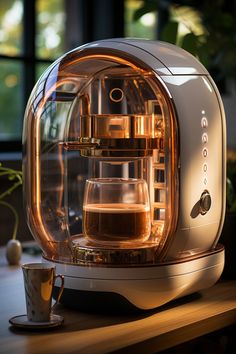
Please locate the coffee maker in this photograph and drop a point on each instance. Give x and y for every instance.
(112, 128)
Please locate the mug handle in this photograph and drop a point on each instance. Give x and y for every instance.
(60, 291)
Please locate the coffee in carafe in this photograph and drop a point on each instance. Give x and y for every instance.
(117, 222)
(116, 210)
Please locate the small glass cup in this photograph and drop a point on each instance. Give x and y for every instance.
(116, 211)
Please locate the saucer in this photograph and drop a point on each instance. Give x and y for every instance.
(23, 322)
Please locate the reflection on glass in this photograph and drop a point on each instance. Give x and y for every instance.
(50, 28)
(11, 15)
(10, 102)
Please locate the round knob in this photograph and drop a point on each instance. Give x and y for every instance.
(205, 202)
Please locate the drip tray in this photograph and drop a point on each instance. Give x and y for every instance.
(85, 252)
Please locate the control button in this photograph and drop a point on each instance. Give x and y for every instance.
(205, 152)
(205, 202)
(205, 181)
(204, 138)
(205, 167)
(204, 122)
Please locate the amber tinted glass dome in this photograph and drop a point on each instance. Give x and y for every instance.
(95, 113)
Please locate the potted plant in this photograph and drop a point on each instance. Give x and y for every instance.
(13, 248)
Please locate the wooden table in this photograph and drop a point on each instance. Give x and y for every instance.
(149, 332)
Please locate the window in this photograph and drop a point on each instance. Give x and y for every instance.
(31, 37)
(33, 33)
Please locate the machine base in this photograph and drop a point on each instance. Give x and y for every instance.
(95, 301)
(146, 287)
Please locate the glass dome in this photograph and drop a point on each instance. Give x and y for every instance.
(96, 114)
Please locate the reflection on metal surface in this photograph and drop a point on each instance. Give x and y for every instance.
(85, 252)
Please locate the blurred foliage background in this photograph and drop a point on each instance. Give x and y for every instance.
(207, 29)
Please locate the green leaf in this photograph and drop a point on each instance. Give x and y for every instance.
(230, 195)
(148, 7)
(203, 55)
(189, 43)
(170, 32)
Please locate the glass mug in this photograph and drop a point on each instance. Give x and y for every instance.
(116, 211)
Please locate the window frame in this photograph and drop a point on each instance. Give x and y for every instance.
(29, 62)
(84, 17)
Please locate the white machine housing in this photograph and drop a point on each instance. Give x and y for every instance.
(191, 259)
